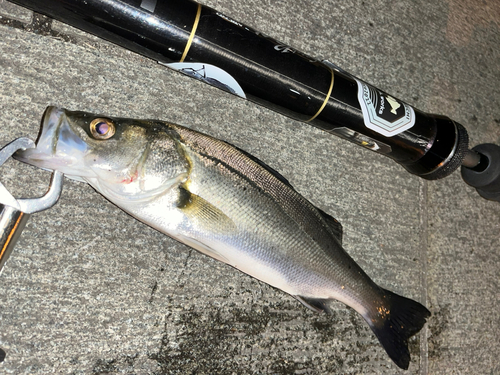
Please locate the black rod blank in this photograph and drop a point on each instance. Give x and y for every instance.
(205, 44)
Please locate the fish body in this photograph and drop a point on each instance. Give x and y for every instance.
(227, 204)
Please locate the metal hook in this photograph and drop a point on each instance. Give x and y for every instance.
(14, 213)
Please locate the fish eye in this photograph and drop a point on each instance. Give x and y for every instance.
(102, 128)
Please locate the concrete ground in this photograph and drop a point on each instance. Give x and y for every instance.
(89, 290)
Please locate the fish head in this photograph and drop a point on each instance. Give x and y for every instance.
(121, 158)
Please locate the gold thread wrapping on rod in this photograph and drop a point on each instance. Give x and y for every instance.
(326, 99)
(193, 32)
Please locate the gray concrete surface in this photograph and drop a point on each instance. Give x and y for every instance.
(89, 290)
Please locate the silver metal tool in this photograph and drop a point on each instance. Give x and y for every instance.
(14, 213)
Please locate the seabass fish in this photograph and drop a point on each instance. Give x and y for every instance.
(227, 204)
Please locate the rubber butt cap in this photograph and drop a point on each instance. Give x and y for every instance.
(485, 178)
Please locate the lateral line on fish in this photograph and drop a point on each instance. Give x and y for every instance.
(234, 170)
(259, 170)
(251, 182)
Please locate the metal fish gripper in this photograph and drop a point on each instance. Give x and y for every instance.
(14, 213)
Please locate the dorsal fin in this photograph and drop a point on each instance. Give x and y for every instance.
(334, 225)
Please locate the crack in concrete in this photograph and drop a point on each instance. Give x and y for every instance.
(153, 291)
(182, 271)
(424, 243)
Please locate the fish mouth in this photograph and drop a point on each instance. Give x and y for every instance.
(58, 146)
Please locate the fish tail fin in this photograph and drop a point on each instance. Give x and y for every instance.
(394, 323)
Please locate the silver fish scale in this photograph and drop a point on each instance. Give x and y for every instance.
(291, 236)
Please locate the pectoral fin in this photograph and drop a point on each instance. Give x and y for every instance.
(203, 215)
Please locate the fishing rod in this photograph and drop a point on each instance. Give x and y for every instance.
(205, 44)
